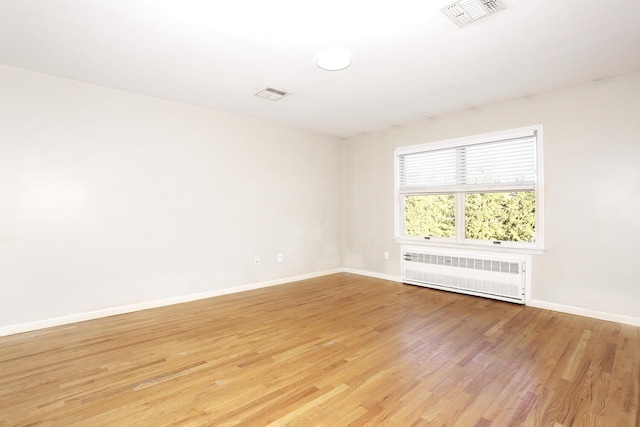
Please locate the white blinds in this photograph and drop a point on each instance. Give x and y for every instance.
(508, 164)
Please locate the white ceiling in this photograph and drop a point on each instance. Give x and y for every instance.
(409, 61)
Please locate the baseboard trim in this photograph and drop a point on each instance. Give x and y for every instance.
(114, 311)
(373, 274)
(612, 317)
(579, 311)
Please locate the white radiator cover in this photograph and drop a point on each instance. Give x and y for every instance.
(490, 275)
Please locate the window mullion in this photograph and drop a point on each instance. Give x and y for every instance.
(461, 179)
(460, 217)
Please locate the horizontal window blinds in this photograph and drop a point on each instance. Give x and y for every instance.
(508, 164)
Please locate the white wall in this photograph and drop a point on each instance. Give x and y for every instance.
(592, 191)
(109, 199)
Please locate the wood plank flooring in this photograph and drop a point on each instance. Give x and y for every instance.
(341, 350)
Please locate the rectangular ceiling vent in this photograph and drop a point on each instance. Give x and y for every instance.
(271, 94)
(464, 12)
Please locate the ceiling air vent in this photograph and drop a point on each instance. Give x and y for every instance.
(271, 94)
(464, 12)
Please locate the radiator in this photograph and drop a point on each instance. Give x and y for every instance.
(498, 277)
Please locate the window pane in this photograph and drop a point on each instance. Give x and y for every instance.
(430, 215)
(509, 216)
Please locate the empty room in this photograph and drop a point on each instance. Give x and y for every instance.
(342, 213)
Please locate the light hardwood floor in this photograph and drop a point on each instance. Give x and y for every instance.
(334, 351)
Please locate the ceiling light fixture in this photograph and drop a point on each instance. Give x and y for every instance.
(333, 59)
(464, 12)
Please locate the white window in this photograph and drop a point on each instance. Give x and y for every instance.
(484, 190)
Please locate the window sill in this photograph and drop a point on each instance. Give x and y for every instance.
(504, 247)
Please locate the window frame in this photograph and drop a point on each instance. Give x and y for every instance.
(460, 240)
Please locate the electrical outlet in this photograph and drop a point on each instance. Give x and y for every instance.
(386, 255)
(279, 257)
(256, 260)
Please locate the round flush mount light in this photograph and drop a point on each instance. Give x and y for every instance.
(333, 59)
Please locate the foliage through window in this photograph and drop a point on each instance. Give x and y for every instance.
(430, 215)
(478, 190)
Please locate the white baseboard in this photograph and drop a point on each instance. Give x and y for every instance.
(629, 320)
(373, 274)
(81, 317)
(114, 311)
(620, 318)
